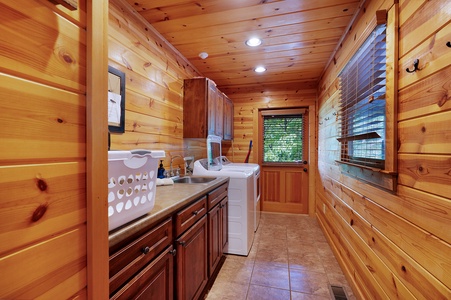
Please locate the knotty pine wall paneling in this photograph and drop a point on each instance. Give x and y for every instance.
(248, 101)
(154, 87)
(43, 231)
(396, 245)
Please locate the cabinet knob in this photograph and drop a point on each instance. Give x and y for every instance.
(195, 212)
(173, 252)
(182, 243)
(145, 250)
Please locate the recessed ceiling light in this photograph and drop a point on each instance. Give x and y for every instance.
(260, 69)
(254, 42)
(203, 55)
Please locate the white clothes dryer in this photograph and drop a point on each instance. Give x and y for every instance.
(241, 205)
(227, 164)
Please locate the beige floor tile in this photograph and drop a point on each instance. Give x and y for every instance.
(307, 262)
(228, 291)
(270, 276)
(273, 257)
(289, 258)
(257, 292)
(309, 283)
(331, 265)
(303, 296)
(236, 270)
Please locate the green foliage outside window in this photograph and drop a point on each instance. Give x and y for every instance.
(282, 138)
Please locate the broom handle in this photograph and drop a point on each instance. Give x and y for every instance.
(248, 152)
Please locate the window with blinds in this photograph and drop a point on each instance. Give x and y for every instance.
(362, 103)
(283, 138)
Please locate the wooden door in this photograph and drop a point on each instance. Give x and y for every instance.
(285, 185)
(285, 189)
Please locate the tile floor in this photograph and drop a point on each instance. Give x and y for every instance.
(290, 259)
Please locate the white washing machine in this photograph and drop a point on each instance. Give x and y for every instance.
(227, 164)
(241, 205)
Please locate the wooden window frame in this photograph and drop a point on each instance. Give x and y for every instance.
(385, 178)
(281, 112)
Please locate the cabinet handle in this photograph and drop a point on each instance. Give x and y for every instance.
(195, 212)
(182, 243)
(173, 252)
(145, 250)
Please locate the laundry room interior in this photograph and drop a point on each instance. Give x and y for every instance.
(253, 149)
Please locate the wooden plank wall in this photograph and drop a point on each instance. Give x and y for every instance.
(396, 246)
(154, 87)
(247, 102)
(43, 150)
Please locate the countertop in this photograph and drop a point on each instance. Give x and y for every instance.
(168, 199)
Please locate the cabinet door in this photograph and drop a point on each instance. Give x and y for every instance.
(219, 111)
(214, 238)
(192, 261)
(156, 281)
(196, 114)
(228, 118)
(224, 219)
(212, 101)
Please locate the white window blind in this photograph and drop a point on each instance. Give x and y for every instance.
(362, 103)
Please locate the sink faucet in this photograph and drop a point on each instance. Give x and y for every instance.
(171, 171)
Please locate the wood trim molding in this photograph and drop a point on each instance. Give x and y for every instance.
(96, 150)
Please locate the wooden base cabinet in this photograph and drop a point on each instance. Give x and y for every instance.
(192, 273)
(175, 258)
(217, 227)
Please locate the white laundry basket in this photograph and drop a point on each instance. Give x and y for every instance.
(131, 184)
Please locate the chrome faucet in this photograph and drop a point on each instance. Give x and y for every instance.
(171, 171)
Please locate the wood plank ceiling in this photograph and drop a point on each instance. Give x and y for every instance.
(299, 36)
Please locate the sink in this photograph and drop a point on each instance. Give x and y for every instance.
(193, 180)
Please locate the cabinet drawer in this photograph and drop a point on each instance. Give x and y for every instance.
(188, 216)
(215, 196)
(130, 259)
(156, 279)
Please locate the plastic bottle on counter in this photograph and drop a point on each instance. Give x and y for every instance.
(161, 170)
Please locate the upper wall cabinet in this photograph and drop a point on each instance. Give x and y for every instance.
(228, 118)
(203, 109)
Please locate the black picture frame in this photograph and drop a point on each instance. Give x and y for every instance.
(116, 92)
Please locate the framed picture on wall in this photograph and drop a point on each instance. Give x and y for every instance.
(116, 100)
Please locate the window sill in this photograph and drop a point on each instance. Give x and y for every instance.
(383, 179)
(283, 164)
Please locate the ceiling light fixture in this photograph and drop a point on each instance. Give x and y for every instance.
(254, 42)
(260, 69)
(203, 55)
